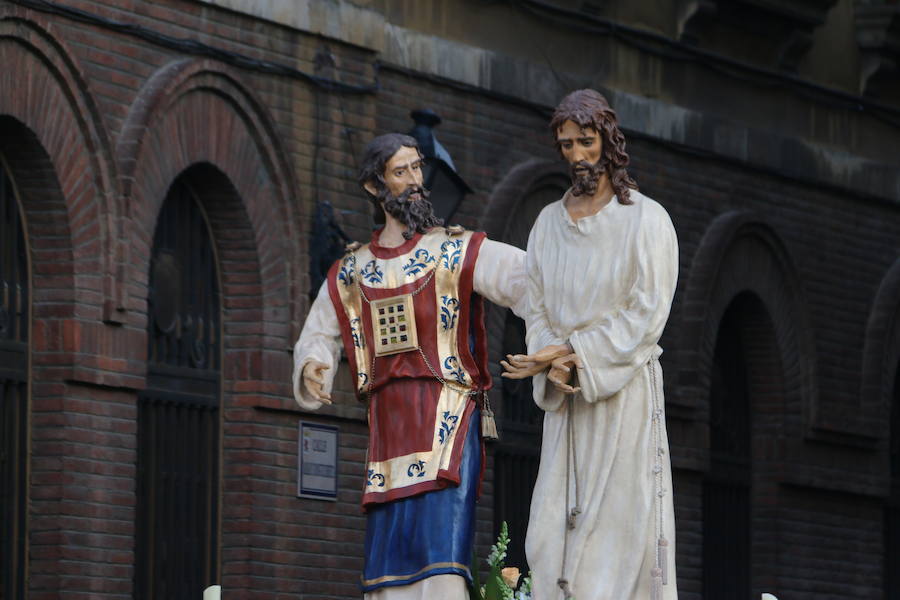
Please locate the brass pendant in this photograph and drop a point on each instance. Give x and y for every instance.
(394, 324)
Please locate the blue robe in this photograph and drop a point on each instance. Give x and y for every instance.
(431, 534)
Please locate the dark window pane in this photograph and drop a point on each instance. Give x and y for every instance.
(726, 489)
(892, 509)
(14, 309)
(178, 419)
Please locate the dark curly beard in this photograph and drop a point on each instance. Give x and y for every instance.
(587, 182)
(416, 213)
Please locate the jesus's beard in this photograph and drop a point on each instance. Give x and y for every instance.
(416, 213)
(587, 181)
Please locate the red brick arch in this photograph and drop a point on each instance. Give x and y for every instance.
(881, 357)
(52, 101)
(740, 253)
(197, 120)
(196, 112)
(59, 156)
(741, 262)
(522, 178)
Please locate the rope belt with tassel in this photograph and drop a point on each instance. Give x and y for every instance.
(659, 574)
(571, 513)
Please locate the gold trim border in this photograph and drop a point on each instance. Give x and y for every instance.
(440, 565)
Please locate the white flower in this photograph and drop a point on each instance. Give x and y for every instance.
(498, 550)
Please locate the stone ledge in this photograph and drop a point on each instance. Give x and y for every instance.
(537, 84)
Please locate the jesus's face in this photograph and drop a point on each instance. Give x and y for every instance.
(582, 148)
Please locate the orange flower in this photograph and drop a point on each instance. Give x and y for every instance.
(511, 576)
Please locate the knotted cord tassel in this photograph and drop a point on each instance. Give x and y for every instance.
(663, 550)
(655, 583)
(564, 586)
(488, 424)
(573, 514)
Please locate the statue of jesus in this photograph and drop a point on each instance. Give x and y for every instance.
(602, 264)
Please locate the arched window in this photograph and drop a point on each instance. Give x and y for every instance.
(178, 421)
(518, 452)
(726, 489)
(892, 509)
(14, 326)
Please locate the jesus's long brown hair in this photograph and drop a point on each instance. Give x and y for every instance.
(589, 109)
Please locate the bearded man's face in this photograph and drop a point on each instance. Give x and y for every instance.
(583, 149)
(403, 195)
(403, 171)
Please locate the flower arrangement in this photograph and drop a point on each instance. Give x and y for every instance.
(501, 582)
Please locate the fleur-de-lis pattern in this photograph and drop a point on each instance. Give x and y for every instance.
(355, 332)
(451, 364)
(418, 263)
(375, 479)
(348, 267)
(451, 252)
(448, 424)
(416, 469)
(372, 273)
(449, 310)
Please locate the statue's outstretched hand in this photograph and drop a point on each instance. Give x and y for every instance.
(520, 366)
(314, 380)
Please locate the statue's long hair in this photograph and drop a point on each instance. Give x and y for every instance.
(589, 110)
(375, 157)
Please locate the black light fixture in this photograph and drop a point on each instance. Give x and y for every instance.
(326, 245)
(441, 179)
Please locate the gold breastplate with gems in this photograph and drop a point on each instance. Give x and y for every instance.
(394, 322)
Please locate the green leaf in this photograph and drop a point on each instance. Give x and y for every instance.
(475, 586)
(492, 590)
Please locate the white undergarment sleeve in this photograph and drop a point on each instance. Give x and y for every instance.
(500, 275)
(320, 340)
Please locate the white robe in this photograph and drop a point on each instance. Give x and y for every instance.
(605, 285)
(500, 277)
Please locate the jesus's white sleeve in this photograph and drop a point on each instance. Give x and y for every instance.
(539, 334)
(615, 346)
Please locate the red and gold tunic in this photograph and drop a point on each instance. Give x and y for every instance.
(421, 400)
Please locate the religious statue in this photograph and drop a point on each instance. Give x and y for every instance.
(602, 266)
(408, 310)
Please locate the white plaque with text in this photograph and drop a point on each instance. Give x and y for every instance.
(317, 458)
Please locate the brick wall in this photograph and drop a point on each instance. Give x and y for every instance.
(97, 124)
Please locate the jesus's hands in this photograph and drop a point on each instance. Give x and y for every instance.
(561, 372)
(520, 366)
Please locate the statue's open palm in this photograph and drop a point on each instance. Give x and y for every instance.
(314, 380)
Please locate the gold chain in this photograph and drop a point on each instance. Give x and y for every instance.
(413, 293)
(452, 385)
